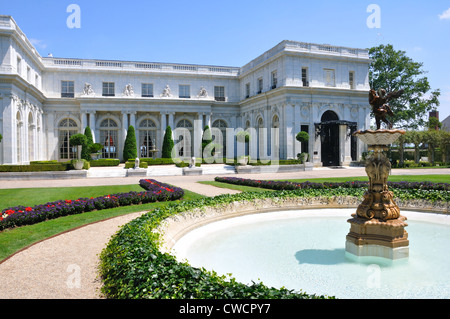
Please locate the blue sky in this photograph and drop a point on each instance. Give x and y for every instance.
(232, 32)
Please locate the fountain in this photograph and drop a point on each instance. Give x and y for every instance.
(377, 229)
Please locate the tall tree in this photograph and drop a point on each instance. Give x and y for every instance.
(393, 70)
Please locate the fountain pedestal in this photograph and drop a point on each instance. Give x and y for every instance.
(377, 229)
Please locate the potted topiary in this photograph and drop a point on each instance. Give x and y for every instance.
(95, 150)
(78, 140)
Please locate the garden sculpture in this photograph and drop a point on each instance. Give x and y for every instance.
(380, 107)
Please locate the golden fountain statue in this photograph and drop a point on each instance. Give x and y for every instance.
(377, 229)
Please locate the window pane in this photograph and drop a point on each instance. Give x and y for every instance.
(219, 93)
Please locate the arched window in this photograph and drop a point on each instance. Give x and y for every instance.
(31, 127)
(183, 134)
(66, 128)
(219, 130)
(329, 116)
(108, 137)
(147, 138)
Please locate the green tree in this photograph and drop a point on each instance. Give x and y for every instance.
(392, 70)
(86, 150)
(416, 138)
(130, 148)
(168, 144)
(1, 137)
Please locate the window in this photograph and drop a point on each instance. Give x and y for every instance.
(147, 138)
(184, 91)
(219, 93)
(67, 128)
(274, 80)
(351, 79)
(108, 137)
(108, 89)
(221, 139)
(305, 81)
(67, 89)
(247, 90)
(147, 90)
(260, 85)
(183, 144)
(329, 78)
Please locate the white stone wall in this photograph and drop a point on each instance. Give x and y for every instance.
(293, 104)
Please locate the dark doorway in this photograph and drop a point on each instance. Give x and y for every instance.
(329, 139)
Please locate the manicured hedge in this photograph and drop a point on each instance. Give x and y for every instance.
(105, 162)
(35, 167)
(21, 215)
(131, 164)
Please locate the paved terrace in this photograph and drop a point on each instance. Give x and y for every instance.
(49, 269)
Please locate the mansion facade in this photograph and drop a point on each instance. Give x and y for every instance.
(293, 87)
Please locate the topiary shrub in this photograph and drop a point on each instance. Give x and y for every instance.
(130, 148)
(302, 137)
(168, 144)
(86, 149)
(78, 140)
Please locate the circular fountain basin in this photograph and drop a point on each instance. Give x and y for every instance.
(305, 250)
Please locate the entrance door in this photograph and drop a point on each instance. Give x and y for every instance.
(330, 139)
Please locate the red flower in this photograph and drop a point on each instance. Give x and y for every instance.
(9, 212)
(28, 209)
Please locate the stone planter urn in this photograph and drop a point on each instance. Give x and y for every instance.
(78, 164)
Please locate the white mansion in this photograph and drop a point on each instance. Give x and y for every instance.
(295, 86)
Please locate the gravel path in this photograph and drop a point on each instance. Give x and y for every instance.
(62, 267)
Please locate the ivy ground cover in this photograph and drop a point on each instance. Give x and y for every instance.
(27, 215)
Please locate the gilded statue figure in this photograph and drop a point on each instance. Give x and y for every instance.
(380, 107)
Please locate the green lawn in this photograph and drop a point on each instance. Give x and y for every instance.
(12, 240)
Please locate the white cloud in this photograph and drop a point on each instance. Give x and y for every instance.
(445, 15)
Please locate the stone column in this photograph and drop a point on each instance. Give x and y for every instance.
(92, 125)
(198, 134)
(162, 131)
(344, 146)
(84, 121)
(133, 119)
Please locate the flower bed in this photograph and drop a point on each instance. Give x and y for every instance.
(21, 215)
(404, 190)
